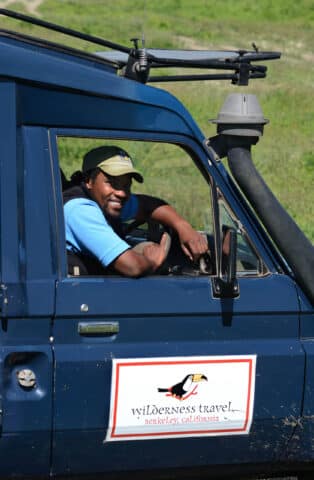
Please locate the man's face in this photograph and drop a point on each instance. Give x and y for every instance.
(110, 193)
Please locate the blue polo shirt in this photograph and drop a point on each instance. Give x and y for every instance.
(87, 231)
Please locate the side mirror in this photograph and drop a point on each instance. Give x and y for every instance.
(225, 285)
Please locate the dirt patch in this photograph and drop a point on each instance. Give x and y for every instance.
(30, 5)
(190, 43)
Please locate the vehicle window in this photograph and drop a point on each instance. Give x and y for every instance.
(170, 174)
(248, 261)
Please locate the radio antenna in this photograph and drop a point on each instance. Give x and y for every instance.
(144, 18)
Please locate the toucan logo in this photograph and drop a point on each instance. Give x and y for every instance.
(187, 387)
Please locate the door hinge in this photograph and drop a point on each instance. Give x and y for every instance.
(224, 289)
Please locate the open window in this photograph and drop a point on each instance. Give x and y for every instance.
(170, 174)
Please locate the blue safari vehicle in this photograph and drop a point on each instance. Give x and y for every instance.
(201, 370)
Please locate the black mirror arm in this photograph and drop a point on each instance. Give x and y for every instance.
(226, 284)
(232, 257)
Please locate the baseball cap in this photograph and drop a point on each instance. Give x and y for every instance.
(111, 160)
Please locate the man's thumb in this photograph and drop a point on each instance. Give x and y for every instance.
(165, 242)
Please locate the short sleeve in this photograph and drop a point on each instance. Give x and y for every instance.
(88, 231)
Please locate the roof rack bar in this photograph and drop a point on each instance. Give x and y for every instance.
(215, 76)
(64, 30)
(235, 66)
(137, 62)
(217, 64)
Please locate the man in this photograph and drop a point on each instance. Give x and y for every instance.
(96, 208)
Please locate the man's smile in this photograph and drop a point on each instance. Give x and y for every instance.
(115, 202)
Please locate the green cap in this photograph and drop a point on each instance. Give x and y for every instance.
(112, 160)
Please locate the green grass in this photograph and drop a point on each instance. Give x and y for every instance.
(285, 155)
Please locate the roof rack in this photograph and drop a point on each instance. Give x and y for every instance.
(135, 63)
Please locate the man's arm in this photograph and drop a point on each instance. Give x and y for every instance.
(133, 264)
(192, 242)
(89, 233)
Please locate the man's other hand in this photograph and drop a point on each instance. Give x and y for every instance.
(193, 243)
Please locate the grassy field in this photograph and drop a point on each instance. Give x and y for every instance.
(285, 155)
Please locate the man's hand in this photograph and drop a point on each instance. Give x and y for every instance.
(193, 243)
(144, 258)
(156, 253)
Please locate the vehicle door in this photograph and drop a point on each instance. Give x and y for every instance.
(27, 299)
(122, 344)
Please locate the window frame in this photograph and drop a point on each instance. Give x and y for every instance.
(199, 156)
(240, 230)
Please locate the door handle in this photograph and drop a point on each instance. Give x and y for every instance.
(98, 328)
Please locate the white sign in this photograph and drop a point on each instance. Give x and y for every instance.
(172, 397)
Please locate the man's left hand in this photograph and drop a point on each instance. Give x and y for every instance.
(193, 243)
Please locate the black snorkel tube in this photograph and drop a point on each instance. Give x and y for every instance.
(240, 123)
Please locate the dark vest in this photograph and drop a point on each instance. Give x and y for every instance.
(78, 262)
